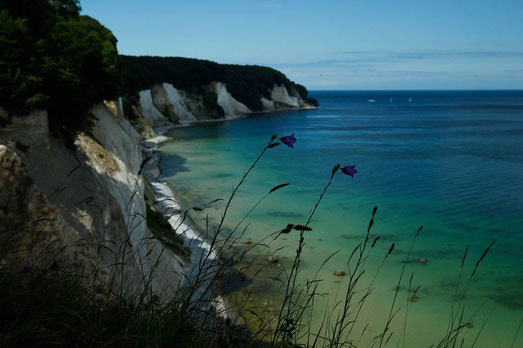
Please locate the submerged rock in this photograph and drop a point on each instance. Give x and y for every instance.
(338, 273)
(421, 260)
(231, 280)
(272, 259)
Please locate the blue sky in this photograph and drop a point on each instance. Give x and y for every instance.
(334, 44)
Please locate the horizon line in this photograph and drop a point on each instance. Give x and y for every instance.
(422, 90)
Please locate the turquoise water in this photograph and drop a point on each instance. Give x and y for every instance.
(451, 161)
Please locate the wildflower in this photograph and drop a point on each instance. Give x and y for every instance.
(289, 140)
(349, 170)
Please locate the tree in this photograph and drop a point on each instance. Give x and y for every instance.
(52, 57)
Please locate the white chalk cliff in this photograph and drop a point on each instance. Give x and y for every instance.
(230, 106)
(149, 110)
(279, 94)
(164, 104)
(169, 99)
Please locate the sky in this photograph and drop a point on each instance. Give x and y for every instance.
(334, 44)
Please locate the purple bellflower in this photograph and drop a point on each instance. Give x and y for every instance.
(349, 170)
(289, 140)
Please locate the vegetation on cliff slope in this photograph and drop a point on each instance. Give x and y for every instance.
(51, 57)
(163, 230)
(54, 307)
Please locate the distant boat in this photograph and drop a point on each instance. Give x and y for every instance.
(410, 100)
(372, 101)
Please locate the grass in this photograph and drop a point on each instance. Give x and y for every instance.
(56, 308)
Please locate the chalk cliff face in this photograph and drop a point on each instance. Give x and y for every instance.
(230, 106)
(149, 110)
(164, 104)
(33, 231)
(279, 94)
(93, 196)
(175, 105)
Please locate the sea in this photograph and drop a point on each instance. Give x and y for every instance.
(450, 161)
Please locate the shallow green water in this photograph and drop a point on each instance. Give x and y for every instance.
(451, 161)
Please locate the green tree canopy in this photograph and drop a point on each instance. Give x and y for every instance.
(54, 58)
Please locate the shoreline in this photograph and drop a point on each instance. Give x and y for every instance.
(171, 208)
(161, 130)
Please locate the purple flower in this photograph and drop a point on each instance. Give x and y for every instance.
(349, 170)
(289, 140)
(27, 268)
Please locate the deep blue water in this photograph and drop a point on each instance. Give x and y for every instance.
(449, 160)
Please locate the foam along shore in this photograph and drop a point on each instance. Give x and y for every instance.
(166, 202)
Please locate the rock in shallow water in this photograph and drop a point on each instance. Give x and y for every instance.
(338, 273)
(272, 259)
